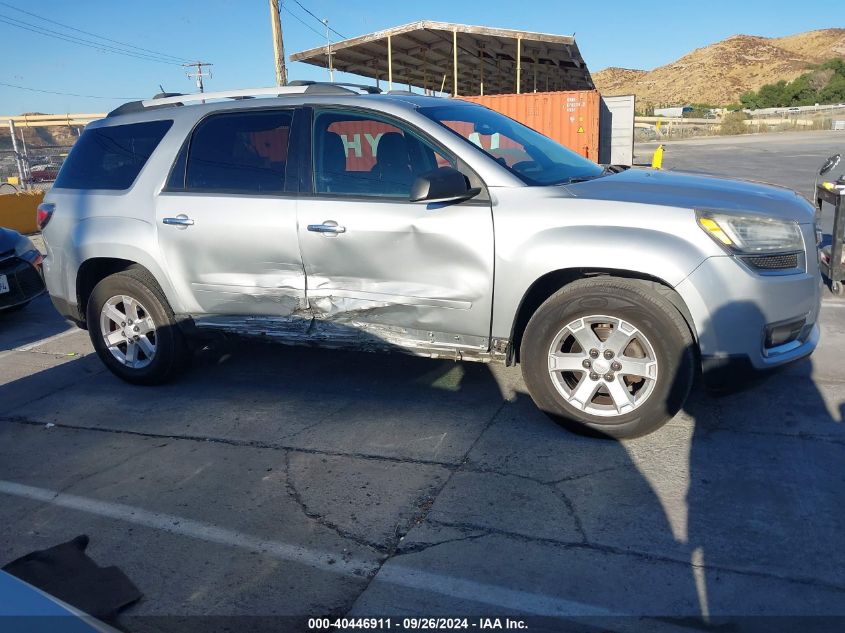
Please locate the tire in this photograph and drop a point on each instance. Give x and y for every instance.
(648, 379)
(163, 352)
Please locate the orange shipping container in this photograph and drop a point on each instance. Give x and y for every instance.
(570, 118)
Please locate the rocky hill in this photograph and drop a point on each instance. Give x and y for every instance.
(35, 137)
(719, 73)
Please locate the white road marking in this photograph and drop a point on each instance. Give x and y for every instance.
(396, 574)
(31, 346)
(193, 529)
(833, 304)
(49, 339)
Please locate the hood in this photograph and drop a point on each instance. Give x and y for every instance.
(692, 191)
(8, 239)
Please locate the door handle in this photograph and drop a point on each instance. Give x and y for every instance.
(329, 227)
(181, 220)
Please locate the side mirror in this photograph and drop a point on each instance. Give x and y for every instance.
(445, 184)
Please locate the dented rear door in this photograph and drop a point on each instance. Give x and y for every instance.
(412, 274)
(227, 218)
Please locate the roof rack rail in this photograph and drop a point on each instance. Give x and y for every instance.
(295, 87)
(224, 94)
(373, 90)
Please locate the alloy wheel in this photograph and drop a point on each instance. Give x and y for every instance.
(603, 365)
(128, 331)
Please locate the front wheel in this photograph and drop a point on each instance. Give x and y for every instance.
(608, 356)
(133, 329)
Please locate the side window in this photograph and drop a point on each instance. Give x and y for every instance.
(111, 157)
(364, 155)
(243, 152)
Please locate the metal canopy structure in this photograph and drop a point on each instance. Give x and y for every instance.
(458, 58)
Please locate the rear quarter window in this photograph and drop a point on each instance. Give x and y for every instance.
(111, 157)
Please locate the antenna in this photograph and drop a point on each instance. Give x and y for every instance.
(329, 50)
(199, 74)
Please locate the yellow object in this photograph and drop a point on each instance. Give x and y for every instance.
(17, 211)
(657, 158)
(712, 227)
(657, 125)
(13, 180)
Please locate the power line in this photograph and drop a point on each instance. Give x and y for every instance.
(301, 21)
(67, 94)
(77, 40)
(320, 20)
(34, 28)
(107, 39)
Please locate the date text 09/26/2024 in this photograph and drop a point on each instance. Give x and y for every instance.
(417, 624)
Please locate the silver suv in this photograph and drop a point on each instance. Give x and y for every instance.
(324, 214)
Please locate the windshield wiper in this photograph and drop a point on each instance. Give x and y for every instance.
(576, 179)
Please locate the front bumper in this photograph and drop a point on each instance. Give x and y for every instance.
(732, 307)
(721, 372)
(25, 282)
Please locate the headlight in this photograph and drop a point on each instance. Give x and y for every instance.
(748, 234)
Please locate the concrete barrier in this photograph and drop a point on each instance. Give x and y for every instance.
(17, 211)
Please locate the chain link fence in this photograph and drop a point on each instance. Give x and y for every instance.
(32, 160)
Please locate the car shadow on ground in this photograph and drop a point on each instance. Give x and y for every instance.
(733, 509)
(30, 324)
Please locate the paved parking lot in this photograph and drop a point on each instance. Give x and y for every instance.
(275, 481)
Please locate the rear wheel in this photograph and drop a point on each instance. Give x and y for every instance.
(608, 356)
(133, 329)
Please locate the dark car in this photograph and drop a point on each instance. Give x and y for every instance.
(20, 270)
(44, 173)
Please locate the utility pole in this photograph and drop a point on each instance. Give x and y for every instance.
(329, 51)
(278, 44)
(198, 75)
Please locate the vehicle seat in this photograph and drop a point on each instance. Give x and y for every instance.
(393, 165)
(332, 175)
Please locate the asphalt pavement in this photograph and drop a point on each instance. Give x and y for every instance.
(273, 484)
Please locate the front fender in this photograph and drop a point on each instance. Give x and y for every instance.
(643, 252)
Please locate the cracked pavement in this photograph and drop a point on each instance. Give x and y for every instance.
(291, 481)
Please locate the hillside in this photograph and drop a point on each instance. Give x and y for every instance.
(35, 137)
(719, 73)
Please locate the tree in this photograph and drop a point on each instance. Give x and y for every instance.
(824, 84)
(834, 92)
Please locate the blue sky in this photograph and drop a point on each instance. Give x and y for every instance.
(235, 36)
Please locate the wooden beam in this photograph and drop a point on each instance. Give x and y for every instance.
(455, 62)
(389, 64)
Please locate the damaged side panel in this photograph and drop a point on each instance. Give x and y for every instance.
(240, 256)
(301, 329)
(421, 268)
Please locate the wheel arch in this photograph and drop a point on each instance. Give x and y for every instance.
(546, 285)
(106, 245)
(93, 270)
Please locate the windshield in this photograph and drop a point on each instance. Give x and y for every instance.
(534, 158)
